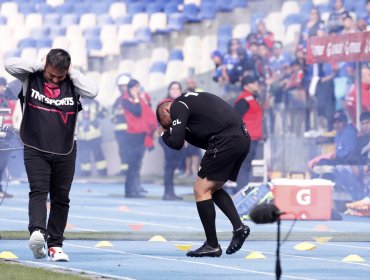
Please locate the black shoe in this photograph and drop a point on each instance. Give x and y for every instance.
(134, 195)
(238, 239)
(142, 190)
(171, 197)
(205, 251)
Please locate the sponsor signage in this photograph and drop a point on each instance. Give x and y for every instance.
(338, 48)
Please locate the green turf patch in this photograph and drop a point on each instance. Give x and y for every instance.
(11, 270)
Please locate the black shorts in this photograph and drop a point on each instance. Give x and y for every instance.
(225, 154)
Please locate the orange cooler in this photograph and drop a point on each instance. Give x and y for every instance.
(306, 199)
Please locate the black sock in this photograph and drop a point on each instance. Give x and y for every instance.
(207, 214)
(226, 204)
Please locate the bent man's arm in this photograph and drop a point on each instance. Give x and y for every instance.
(175, 138)
(83, 85)
(20, 68)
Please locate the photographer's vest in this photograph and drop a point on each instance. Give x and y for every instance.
(49, 116)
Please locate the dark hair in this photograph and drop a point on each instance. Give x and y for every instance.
(365, 115)
(132, 83)
(159, 108)
(59, 59)
(173, 83)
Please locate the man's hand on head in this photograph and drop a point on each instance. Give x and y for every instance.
(161, 130)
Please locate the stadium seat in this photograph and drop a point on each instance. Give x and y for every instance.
(141, 70)
(43, 43)
(175, 22)
(290, 7)
(170, 8)
(104, 19)
(60, 42)
(3, 20)
(45, 9)
(143, 35)
(117, 9)
(127, 19)
(176, 54)
(126, 34)
(192, 2)
(8, 9)
(111, 47)
(159, 67)
(51, 19)
(93, 44)
(69, 19)
(107, 87)
(207, 11)
(26, 8)
(100, 8)
(56, 2)
(192, 47)
(26, 43)
(33, 20)
(74, 32)
(154, 8)
(40, 32)
(135, 8)
(155, 81)
(41, 53)
(87, 20)
(91, 32)
(55, 31)
(158, 23)
(15, 20)
(159, 54)
(292, 34)
(240, 31)
(28, 53)
(320, 2)
(209, 44)
(82, 8)
(294, 19)
(190, 13)
(79, 56)
(238, 4)
(176, 71)
(140, 20)
(12, 52)
(224, 6)
(126, 66)
(107, 31)
(20, 32)
(63, 9)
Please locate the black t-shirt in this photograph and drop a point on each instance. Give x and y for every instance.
(196, 117)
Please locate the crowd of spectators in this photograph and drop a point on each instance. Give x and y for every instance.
(296, 96)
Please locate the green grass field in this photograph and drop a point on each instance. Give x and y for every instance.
(15, 271)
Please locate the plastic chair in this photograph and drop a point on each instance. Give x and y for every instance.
(176, 54)
(52, 19)
(158, 23)
(143, 35)
(175, 22)
(158, 67)
(190, 13)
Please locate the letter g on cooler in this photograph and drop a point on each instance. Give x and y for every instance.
(303, 197)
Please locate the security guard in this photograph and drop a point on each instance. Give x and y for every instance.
(119, 121)
(90, 137)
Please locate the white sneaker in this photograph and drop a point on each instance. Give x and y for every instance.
(56, 254)
(37, 244)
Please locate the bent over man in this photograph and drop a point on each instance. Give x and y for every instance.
(208, 122)
(50, 106)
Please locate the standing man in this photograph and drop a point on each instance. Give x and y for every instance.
(90, 138)
(141, 125)
(50, 98)
(251, 112)
(220, 131)
(5, 123)
(120, 124)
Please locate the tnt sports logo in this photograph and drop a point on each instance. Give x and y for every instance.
(303, 197)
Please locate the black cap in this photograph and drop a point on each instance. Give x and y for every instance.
(339, 116)
(249, 79)
(132, 83)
